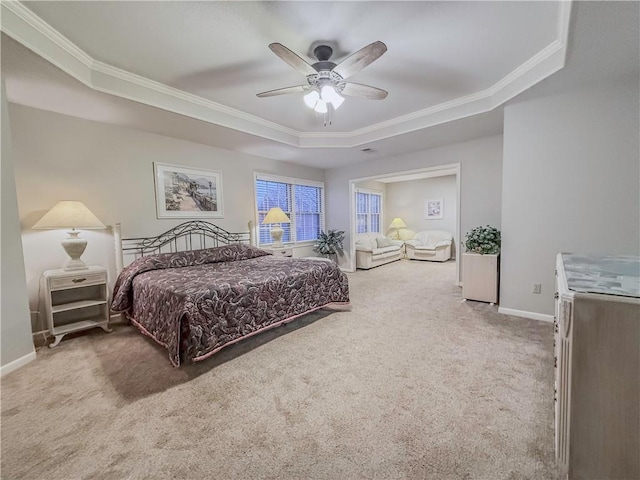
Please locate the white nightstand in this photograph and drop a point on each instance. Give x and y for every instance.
(75, 300)
(283, 251)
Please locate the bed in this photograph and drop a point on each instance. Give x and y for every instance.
(197, 288)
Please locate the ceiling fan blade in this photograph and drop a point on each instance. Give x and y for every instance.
(365, 91)
(292, 59)
(283, 91)
(360, 59)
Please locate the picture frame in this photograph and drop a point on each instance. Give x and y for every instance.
(187, 192)
(434, 209)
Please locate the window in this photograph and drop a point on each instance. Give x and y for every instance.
(368, 211)
(301, 200)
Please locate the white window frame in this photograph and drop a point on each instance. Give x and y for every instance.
(368, 213)
(290, 181)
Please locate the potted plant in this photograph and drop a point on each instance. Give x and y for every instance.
(329, 244)
(483, 240)
(480, 264)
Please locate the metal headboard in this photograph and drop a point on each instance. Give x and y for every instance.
(192, 235)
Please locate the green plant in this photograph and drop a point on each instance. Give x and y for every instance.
(483, 240)
(329, 243)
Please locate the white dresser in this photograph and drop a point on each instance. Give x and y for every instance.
(597, 376)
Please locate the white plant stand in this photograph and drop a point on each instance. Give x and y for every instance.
(480, 277)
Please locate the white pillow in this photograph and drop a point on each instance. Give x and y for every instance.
(383, 242)
(367, 243)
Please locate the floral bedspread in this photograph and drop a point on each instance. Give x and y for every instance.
(194, 303)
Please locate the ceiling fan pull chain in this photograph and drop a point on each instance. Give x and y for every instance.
(328, 115)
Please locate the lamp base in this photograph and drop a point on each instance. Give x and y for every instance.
(75, 265)
(74, 246)
(276, 236)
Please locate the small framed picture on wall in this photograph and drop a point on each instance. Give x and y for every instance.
(434, 209)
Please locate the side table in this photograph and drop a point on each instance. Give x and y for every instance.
(283, 251)
(75, 300)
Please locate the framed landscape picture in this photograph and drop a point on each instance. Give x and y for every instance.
(434, 209)
(186, 192)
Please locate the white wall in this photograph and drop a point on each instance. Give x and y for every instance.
(16, 345)
(480, 181)
(572, 157)
(373, 185)
(407, 201)
(571, 184)
(110, 169)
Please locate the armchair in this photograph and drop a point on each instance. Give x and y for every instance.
(432, 245)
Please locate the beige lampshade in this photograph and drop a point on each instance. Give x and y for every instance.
(397, 223)
(69, 214)
(275, 215)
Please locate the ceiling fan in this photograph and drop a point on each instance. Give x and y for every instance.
(326, 80)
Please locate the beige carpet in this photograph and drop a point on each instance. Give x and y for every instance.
(410, 383)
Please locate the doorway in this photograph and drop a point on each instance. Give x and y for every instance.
(406, 176)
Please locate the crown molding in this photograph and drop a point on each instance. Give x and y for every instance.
(24, 26)
(27, 28)
(115, 81)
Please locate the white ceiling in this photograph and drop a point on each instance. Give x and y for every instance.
(205, 61)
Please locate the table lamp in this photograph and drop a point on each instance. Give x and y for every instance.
(397, 223)
(70, 214)
(276, 217)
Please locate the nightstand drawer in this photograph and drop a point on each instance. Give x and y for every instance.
(282, 252)
(77, 280)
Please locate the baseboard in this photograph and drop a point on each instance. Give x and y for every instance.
(20, 362)
(523, 313)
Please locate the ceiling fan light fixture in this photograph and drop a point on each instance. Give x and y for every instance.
(321, 106)
(328, 94)
(325, 79)
(337, 101)
(311, 99)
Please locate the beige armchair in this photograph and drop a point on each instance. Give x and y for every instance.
(432, 245)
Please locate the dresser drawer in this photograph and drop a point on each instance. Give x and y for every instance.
(80, 279)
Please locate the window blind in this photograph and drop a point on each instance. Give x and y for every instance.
(368, 211)
(301, 200)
